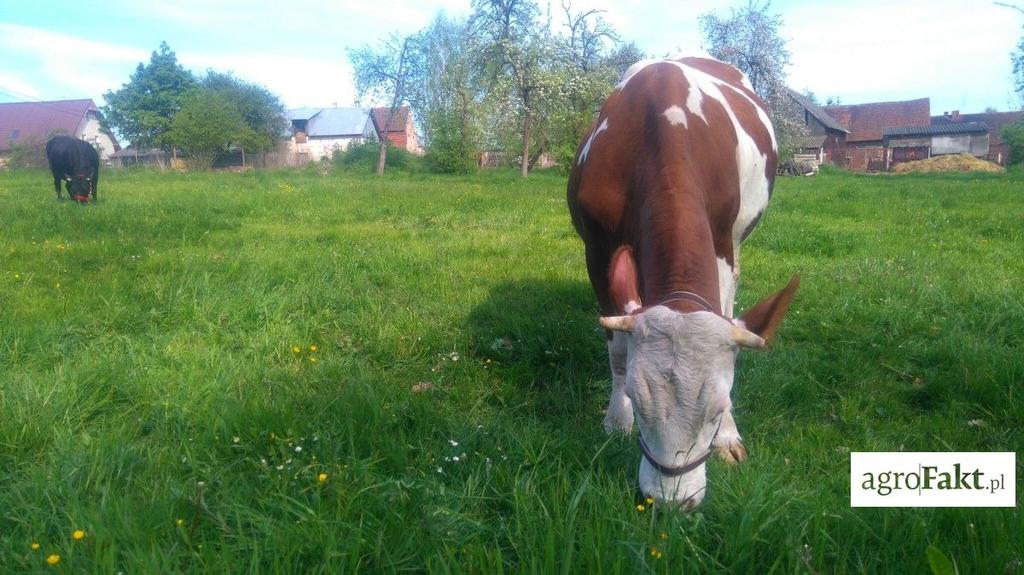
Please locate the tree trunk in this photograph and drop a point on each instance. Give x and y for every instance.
(524, 163)
(383, 157)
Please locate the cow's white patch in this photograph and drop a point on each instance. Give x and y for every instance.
(726, 286)
(586, 147)
(632, 306)
(676, 115)
(754, 184)
(694, 102)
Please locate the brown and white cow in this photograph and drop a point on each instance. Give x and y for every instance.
(673, 176)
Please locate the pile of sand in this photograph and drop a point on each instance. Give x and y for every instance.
(952, 163)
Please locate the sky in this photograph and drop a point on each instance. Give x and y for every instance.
(954, 52)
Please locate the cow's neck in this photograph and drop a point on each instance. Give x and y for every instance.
(678, 255)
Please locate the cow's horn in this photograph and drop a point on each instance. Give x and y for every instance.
(746, 338)
(619, 323)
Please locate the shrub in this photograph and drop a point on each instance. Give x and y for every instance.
(27, 154)
(363, 158)
(1013, 135)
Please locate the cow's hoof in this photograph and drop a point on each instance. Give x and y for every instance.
(731, 451)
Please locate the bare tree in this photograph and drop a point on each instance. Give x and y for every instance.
(386, 72)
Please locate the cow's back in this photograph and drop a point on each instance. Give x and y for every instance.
(678, 143)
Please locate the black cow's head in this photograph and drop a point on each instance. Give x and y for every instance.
(79, 186)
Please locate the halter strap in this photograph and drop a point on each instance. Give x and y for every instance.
(666, 470)
(686, 296)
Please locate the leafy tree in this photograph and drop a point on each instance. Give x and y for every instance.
(206, 126)
(446, 98)
(142, 109)
(261, 110)
(385, 72)
(750, 40)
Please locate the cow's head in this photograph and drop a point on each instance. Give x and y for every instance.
(679, 373)
(79, 186)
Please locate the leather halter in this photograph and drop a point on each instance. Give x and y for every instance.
(686, 296)
(666, 470)
(675, 471)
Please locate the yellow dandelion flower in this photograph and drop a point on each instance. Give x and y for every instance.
(313, 348)
(313, 360)
(649, 500)
(179, 522)
(34, 546)
(640, 508)
(53, 559)
(655, 553)
(296, 349)
(663, 536)
(78, 535)
(322, 477)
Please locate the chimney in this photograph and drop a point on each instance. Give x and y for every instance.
(956, 115)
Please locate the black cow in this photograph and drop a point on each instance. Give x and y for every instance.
(77, 163)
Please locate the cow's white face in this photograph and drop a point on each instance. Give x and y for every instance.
(679, 372)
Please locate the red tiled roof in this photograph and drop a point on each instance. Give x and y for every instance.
(380, 117)
(27, 121)
(995, 121)
(865, 121)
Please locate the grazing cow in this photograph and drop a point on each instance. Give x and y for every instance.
(77, 163)
(673, 176)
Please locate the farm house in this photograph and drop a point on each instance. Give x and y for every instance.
(319, 132)
(33, 123)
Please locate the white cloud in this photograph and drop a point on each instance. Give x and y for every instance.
(17, 87)
(302, 81)
(73, 66)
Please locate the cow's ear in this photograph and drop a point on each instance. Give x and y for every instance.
(623, 281)
(764, 318)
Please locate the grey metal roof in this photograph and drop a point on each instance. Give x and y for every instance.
(303, 113)
(936, 130)
(816, 111)
(340, 122)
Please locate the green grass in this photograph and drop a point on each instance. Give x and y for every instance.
(147, 375)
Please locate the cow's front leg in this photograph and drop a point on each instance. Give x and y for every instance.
(728, 443)
(619, 416)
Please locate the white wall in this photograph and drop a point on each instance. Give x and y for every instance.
(317, 148)
(90, 132)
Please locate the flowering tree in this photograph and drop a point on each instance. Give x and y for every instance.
(517, 60)
(750, 40)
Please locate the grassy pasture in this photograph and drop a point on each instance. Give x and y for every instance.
(151, 396)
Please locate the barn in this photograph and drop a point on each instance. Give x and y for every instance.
(826, 138)
(401, 130)
(865, 144)
(995, 121)
(33, 123)
(908, 143)
(318, 132)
